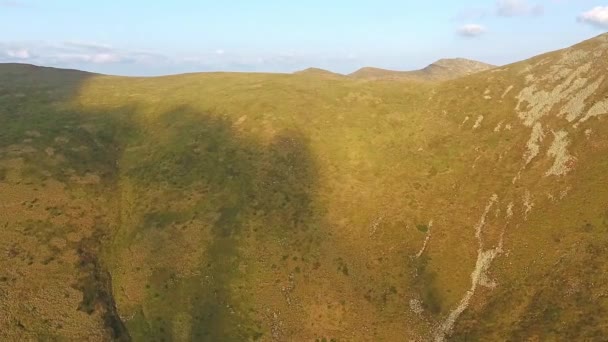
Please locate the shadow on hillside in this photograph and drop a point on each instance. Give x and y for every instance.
(60, 144)
(252, 192)
(248, 192)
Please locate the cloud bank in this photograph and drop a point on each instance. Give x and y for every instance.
(96, 57)
(597, 16)
(72, 52)
(12, 3)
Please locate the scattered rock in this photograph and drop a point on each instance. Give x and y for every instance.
(563, 161)
(533, 144)
(478, 122)
(416, 306)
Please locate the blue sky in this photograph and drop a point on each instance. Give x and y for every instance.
(163, 37)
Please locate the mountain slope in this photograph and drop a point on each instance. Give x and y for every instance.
(441, 70)
(544, 103)
(294, 207)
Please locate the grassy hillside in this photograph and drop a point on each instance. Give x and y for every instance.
(227, 206)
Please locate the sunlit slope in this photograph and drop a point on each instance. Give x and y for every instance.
(302, 207)
(267, 176)
(550, 111)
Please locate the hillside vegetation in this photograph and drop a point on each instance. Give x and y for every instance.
(276, 207)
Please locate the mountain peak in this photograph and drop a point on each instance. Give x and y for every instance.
(460, 62)
(447, 68)
(316, 71)
(440, 70)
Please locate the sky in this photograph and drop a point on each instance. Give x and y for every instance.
(150, 38)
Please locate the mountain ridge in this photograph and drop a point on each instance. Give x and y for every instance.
(440, 70)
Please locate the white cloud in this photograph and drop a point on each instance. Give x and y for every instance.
(511, 8)
(93, 52)
(219, 52)
(471, 30)
(18, 53)
(12, 3)
(87, 46)
(502, 8)
(597, 16)
(102, 58)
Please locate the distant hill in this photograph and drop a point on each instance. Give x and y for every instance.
(441, 70)
(40, 72)
(318, 72)
(18, 73)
